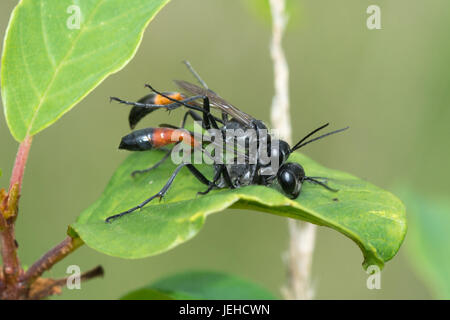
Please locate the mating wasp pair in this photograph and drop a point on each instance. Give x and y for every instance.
(199, 101)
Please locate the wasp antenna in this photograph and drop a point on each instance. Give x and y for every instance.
(196, 75)
(309, 135)
(313, 180)
(151, 88)
(298, 145)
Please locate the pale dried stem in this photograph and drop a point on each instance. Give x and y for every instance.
(280, 103)
(301, 234)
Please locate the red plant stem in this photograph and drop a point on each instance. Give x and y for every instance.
(19, 165)
(14, 284)
(11, 263)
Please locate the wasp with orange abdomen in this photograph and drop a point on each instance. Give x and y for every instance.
(200, 102)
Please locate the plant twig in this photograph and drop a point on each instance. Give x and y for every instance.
(60, 251)
(19, 165)
(299, 257)
(301, 234)
(8, 214)
(47, 287)
(14, 283)
(280, 103)
(11, 264)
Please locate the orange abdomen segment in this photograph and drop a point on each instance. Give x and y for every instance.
(163, 100)
(164, 136)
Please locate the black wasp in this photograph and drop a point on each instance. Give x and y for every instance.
(290, 175)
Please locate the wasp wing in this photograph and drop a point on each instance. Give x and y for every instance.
(218, 102)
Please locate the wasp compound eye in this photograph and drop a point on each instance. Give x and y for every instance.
(280, 149)
(139, 140)
(290, 177)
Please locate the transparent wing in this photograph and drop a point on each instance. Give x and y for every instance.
(217, 102)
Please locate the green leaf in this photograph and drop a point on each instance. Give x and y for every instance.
(48, 67)
(428, 240)
(204, 285)
(373, 218)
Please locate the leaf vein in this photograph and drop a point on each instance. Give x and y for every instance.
(44, 37)
(58, 68)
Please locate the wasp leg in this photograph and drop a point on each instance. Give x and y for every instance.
(206, 112)
(223, 168)
(198, 174)
(212, 120)
(164, 189)
(159, 195)
(156, 165)
(212, 184)
(226, 176)
(313, 180)
(194, 116)
(171, 106)
(202, 193)
(207, 116)
(208, 120)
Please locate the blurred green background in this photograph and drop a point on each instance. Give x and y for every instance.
(390, 86)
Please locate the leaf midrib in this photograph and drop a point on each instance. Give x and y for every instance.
(59, 67)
